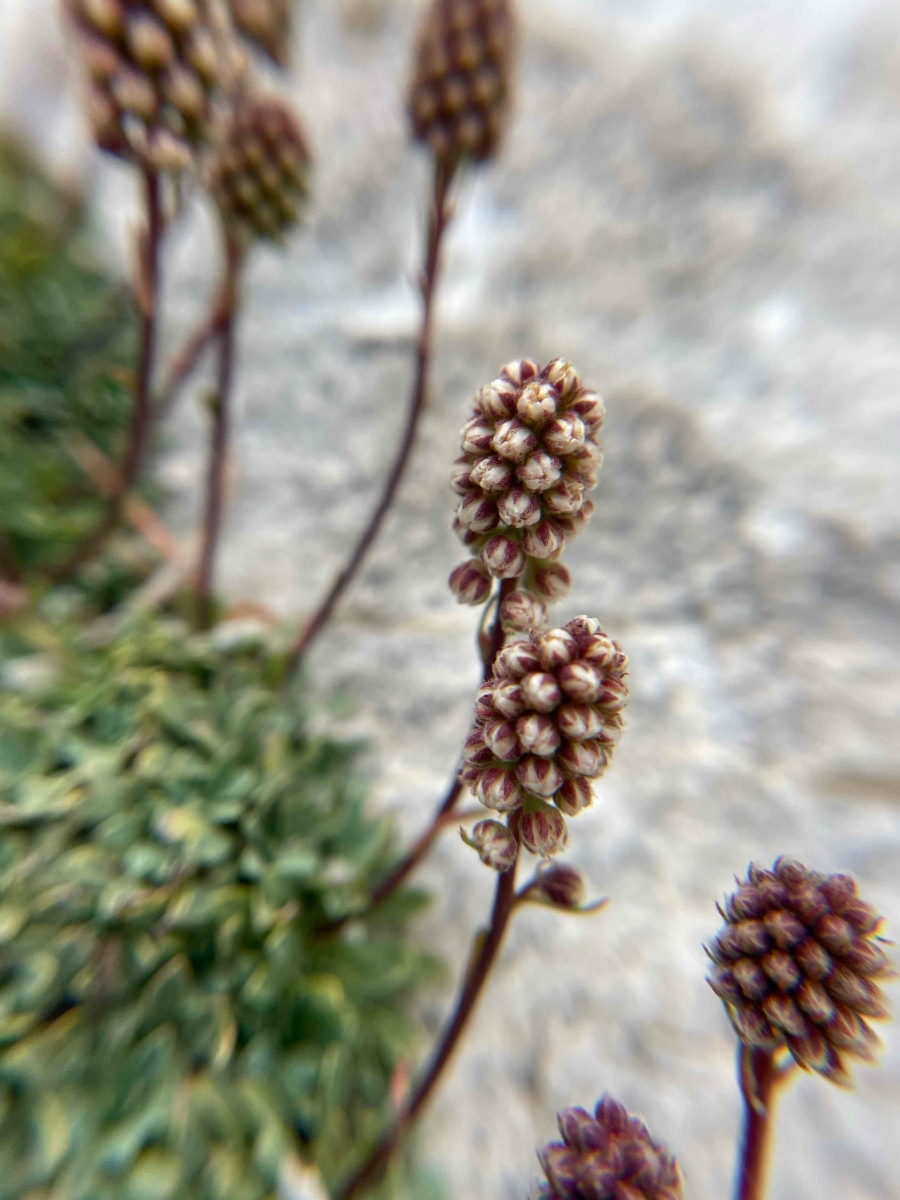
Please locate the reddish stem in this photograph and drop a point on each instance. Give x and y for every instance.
(472, 987)
(759, 1078)
(490, 646)
(146, 290)
(438, 221)
(218, 449)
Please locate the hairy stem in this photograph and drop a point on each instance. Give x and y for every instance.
(438, 221)
(487, 948)
(759, 1087)
(146, 295)
(490, 645)
(218, 447)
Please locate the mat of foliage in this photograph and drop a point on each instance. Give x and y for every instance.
(171, 1024)
(66, 349)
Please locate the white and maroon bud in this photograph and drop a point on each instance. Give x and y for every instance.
(179, 15)
(101, 60)
(183, 90)
(583, 465)
(539, 776)
(497, 846)
(475, 752)
(135, 93)
(513, 440)
(477, 512)
(540, 471)
(537, 404)
(460, 476)
(477, 435)
(590, 407)
(503, 557)
(544, 540)
(581, 627)
(498, 788)
(203, 55)
(519, 508)
(613, 696)
(574, 796)
(508, 698)
(562, 886)
(611, 734)
(484, 704)
(521, 611)
(578, 722)
(149, 43)
(564, 499)
(470, 582)
(575, 522)
(538, 734)
(555, 648)
(516, 660)
(167, 152)
(582, 681)
(520, 371)
(599, 650)
(492, 474)
(562, 375)
(541, 691)
(497, 405)
(565, 435)
(106, 16)
(543, 832)
(583, 758)
(502, 739)
(552, 581)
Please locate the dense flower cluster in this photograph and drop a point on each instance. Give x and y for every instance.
(156, 68)
(797, 964)
(546, 724)
(530, 455)
(607, 1156)
(261, 174)
(461, 80)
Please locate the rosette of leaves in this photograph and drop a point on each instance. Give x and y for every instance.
(174, 1021)
(66, 345)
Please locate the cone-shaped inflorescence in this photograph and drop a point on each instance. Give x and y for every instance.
(156, 68)
(530, 456)
(607, 1156)
(267, 25)
(461, 79)
(260, 176)
(546, 724)
(797, 965)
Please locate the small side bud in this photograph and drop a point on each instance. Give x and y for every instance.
(521, 611)
(543, 832)
(561, 885)
(496, 845)
(470, 582)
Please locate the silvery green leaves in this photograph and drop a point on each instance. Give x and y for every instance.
(172, 840)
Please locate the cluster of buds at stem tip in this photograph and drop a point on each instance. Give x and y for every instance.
(266, 24)
(157, 69)
(546, 724)
(461, 78)
(798, 965)
(607, 1156)
(260, 175)
(530, 455)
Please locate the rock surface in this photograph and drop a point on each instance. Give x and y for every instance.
(697, 205)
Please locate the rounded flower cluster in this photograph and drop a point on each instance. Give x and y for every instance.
(607, 1156)
(155, 68)
(461, 80)
(546, 724)
(260, 176)
(530, 455)
(797, 965)
(267, 24)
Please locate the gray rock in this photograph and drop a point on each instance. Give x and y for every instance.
(697, 204)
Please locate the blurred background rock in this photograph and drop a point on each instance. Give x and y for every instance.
(697, 203)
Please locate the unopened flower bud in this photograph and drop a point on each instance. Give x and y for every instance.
(537, 404)
(539, 776)
(491, 474)
(565, 435)
(556, 648)
(106, 16)
(540, 471)
(562, 885)
(520, 371)
(513, 440)
(543, 831)
(552, 580)
(497, 401)
(485, 709)
(507, 698)
(503, 557)
(498, 788)
(517, 659)
(496, 845)
(541, 691)
(149, 43)
(266, 23)
(586, 759)
(522, 611)
(503, 740)
(564, 499)
(477, 512)
(590, 407)
(582, 681)
(460, 476)
(538, 734)
(574, 796)
(578, 722)
(544, 541)
(179, 15)
(475, 751)
(477, 436)
(470, 582)
(519, 508)
(563, 376)
(167, 152)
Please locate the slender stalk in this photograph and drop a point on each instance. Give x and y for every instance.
(186, 360)
(490, 644)
(146, 293)
(438, 220)
(487, 948)
(9, 568)
(218, 448)
(759, 1078)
